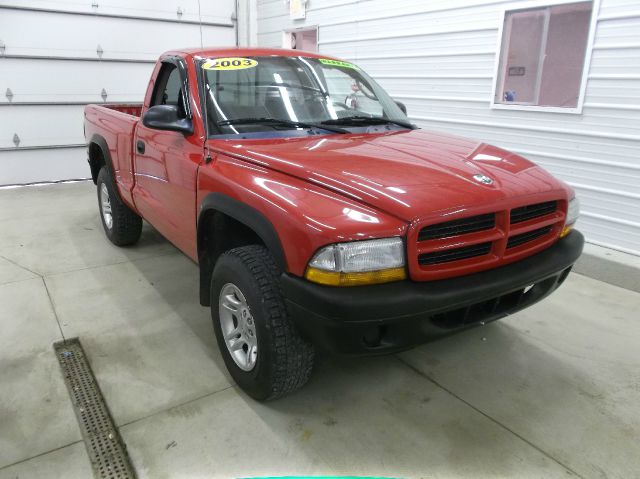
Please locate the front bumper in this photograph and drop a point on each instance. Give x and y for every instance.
(385, 318)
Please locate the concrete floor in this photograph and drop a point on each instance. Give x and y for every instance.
(553, 391)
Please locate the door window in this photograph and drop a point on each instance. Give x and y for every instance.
(169, 89)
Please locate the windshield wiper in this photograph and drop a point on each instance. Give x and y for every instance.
(367, 120)
(278, 121)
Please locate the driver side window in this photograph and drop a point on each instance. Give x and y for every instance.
(168, 90)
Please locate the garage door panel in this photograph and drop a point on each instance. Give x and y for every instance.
(59, 34)
(41, 125)
(30, 166)
(51, 66)
(212, 12)
(60, 81)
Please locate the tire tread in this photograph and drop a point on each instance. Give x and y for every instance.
(293, 356)
(127, 225)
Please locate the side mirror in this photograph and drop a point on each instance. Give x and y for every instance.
(402, 106)
(165, 117)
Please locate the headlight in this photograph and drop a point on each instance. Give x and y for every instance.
(573, 211)
(358, 262)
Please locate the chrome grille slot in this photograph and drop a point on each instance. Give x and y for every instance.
(455, 254)
(528, 212)
(522, 238)
(458, 227)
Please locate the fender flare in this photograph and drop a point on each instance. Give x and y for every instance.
(245, 214)
(104, 148)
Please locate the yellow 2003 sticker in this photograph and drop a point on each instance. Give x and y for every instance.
(337, 63)
(231, 63)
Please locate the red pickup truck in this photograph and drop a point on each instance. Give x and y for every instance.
(319, 215)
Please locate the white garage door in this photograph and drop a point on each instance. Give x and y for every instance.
(57, 56)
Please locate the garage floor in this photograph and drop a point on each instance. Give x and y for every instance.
(550, 392)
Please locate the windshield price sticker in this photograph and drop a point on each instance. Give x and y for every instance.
(338, 63)
(231, 63)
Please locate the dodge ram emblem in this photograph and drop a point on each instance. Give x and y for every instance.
(484, 179)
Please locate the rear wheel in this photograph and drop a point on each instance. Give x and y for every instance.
(121, 224)
(261, 348)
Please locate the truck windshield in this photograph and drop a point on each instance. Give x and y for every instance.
(271, 94)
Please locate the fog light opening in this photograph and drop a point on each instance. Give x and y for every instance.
(373, 336)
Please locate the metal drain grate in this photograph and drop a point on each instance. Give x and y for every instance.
(107, 451)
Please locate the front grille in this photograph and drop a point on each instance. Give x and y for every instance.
(455, 254)
(476, 243)
(528, 212)
(458, 227)
(517, 240)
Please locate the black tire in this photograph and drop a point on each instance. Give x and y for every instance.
(126, 225)
(285, 360)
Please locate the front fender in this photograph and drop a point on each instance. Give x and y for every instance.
(246, 215)
(303, 216)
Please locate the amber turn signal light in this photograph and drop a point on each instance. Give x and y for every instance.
(566, 230)
(336, 278)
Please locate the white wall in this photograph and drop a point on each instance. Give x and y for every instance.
(438, 57)
(49, 61)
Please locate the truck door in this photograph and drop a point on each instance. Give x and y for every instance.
(166, 164)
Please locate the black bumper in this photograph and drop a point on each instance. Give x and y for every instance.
(391, 317)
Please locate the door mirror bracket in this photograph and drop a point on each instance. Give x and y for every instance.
(402, 106)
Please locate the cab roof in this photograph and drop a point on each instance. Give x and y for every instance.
(244, 51)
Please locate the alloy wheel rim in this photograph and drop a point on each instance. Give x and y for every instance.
(105, 203)
(238, 327)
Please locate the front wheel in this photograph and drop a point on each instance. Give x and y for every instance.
(260, 346)
(121, 224)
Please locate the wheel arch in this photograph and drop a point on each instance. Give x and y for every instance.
(225, 223)
(99, 156)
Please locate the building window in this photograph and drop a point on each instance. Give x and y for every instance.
(542, 56)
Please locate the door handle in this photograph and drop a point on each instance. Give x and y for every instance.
(140, 146)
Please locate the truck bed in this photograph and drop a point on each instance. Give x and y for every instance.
(116, 123)
(133, 109)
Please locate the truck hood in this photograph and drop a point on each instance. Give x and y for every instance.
(408, 174)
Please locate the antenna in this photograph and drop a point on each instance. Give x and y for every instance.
(200, 22)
